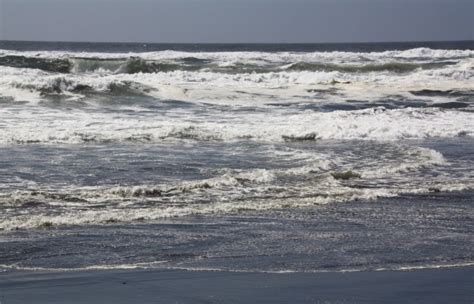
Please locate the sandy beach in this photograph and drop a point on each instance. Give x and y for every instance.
(451, 285)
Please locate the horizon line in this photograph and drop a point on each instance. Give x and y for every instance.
(233, 43)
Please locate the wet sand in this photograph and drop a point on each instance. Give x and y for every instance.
(449, 285)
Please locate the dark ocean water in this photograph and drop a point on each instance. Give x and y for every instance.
(323, 157)
(240, 47)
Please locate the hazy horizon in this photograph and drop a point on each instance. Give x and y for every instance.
(239, 21)
(231, 43)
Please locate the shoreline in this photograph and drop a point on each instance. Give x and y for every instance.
(443, 285)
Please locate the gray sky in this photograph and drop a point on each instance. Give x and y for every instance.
(236, 20)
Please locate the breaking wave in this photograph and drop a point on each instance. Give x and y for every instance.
(396, 67)
(371, 124)
(320, 181)
(87, 213)
(234, 62)
(46, 64)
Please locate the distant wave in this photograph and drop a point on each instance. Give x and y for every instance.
(396, 67)
(220, 96)
(415, 53)
(45, 64)
(418, 76)
(233, 62)
(134, 65)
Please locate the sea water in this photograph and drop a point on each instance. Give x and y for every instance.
(324, 157)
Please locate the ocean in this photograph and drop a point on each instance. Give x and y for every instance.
(237, 157)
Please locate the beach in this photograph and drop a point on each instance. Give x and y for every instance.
(452, 285)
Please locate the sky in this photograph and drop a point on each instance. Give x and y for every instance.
(233, 21)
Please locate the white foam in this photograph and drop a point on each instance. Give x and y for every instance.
(301, 196)
(245, 88)
(159, 211)
(251, 88)
(346, 270)
(73, 127)
(413, 160)
(256, 56)
(163, 265)
(93, 267)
